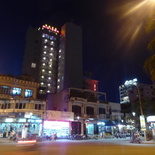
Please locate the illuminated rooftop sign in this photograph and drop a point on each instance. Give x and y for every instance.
(131, 82)
(48, 27)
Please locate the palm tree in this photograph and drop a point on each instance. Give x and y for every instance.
(149, 65)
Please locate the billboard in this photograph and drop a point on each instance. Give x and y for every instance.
(142, 123)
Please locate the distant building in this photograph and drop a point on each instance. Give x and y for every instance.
(90, 84)
(125, 89)
(131, 90)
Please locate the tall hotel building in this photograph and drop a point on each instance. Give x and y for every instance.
(70, 72)
(40, 60)
(53, 59)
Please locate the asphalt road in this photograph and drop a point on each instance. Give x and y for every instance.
(81, 147)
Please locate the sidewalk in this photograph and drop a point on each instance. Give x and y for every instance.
(6, 140)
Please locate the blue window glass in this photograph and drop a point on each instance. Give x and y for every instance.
(52, 38)
(16, 91)
(28, 93)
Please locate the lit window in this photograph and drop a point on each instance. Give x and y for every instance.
(50, 66)
(48, 84)
(52, 38)
(43, 64)
(51, 53)
(45, 46)
(60, 51)
(59, 56)
(28, 93)
(44, 58)
(43, 35)
(45, 40)
(49, 72)
(50, 59)
(42, 76)
(52, 42)
(48, 91)
(43, 70)
(51, 48)
(58, 80)
(42, 83)
(16, 91)
(49, 78)
(44, 52)
(58, 87)
(33, 65)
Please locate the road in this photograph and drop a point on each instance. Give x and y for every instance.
(81, 147)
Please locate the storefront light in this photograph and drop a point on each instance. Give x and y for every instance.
(22, 120)
(100, 123)
(8, 120)
(38, 121)
(150, 119)
(120, 126)
(55, 124)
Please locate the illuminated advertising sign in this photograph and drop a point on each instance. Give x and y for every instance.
(59, 116)
(61, 128)
(151, 119)
(142, 123)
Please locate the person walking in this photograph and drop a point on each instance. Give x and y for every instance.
(11, 136)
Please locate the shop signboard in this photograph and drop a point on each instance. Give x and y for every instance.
(12, 114)
(59, 116)
(142, 123)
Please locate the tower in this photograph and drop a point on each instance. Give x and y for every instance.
(54, 60)
(40, 59)
(70, 57)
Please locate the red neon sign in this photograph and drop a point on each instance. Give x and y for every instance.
(50, 28)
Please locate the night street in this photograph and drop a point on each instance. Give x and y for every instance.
(79, 147)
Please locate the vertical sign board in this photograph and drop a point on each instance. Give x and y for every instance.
(142, 123)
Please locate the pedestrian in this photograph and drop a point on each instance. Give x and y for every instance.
(11, 135)
(53, 136)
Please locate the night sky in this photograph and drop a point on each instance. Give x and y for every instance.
(114, 43)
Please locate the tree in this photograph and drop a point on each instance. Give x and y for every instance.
(149, 65)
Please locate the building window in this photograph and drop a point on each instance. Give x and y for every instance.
(16, 91)
(90, 111)
(28, 93)
(16, 107)
(101, 111)
(33, 65)
(77, 110)
(52, 38)
(20, 105)
(4, 90)
(9, 105)
(36, 106)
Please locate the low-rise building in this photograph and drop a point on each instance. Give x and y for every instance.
(92, 113)
(19, 107)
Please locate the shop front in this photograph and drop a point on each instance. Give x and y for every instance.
(151, 127)
(58, 122)
(17, 122)
(100, 127)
